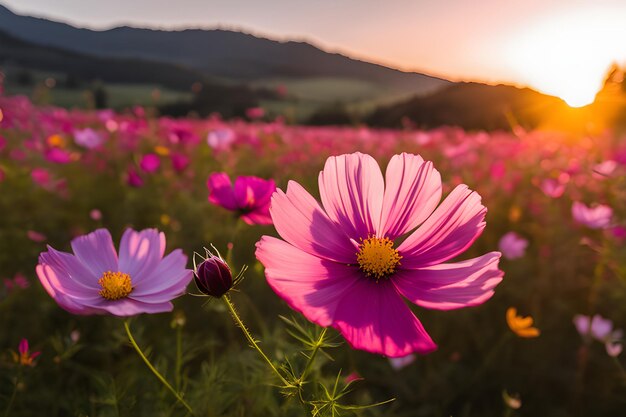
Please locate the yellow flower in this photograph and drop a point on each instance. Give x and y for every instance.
(56, 141)
(521, 326)
(162, 150)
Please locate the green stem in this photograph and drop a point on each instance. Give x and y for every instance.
(313, 354)
(179, 353)
(253, 343)
(231, 243)
(153, 369)
(7, 412)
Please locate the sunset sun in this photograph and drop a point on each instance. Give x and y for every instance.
(568, 55)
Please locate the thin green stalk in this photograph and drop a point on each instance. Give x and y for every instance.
(231, 243)
(179, 356)
(253, 343)
(153, 369)
(313, 354)
(7, 412)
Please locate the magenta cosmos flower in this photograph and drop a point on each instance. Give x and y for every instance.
(250, 197)
(94, 280)
(350, 264)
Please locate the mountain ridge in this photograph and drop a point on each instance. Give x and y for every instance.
(218, 52)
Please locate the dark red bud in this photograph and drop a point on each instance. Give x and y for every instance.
(213, 277)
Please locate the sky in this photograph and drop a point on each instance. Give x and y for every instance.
(560, 47)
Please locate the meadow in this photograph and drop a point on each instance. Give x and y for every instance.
(556, 211)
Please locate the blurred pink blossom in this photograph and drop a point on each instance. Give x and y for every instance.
(36, 236)
(40, 176)
(133, 178)
(180, 161)
(249, 196)
(552, 188)
(604, 169)
(95, 214)
(150, 163)
(88, 138)
(512, 245)
(58, 156)
(255, 113)
(402, 362)
(596, 217)
(220, 139)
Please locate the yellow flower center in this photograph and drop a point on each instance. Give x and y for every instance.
(377, 257)
(115, 285)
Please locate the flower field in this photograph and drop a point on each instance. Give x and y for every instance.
(484, 277)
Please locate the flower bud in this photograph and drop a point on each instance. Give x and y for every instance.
(213, 277)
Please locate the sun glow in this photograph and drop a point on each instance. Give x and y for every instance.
(568, 55)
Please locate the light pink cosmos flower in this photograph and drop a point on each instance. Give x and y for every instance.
(250, 196)
(552, 188)
(512, 245)
(402, 362)
(342, 265)
(88, 138)
(94, 280)
(600, 329)
(596, 217)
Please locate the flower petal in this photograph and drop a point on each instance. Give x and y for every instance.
(299, 220)
(351, 188)
(253, 193)
(310, 285)
(373, 317)
(221, 190)
(260, 217)
(453, 285)
(73, 272)
(449, 231)
(412, 192)
(166, 282)
(96, 251)
(140, 253)
(54, 286)
(128, 307)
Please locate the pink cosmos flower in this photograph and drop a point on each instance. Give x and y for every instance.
(179, 161)
(221, 139)
(94, 280)
(512, 245)
(596, 217)
(255, 113)
(88, 138)
(600, 329)
(150, 163)
(58, 156)
(552, 188)
(24, 356)
(402, 362)
(41, 176)
(36, 236)
(133, 178)
(342, 265)
(250, 196)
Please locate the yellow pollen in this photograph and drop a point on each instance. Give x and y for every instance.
(115, 285)
(377, 257)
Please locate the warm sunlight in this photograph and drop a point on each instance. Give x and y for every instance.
(568, 55)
